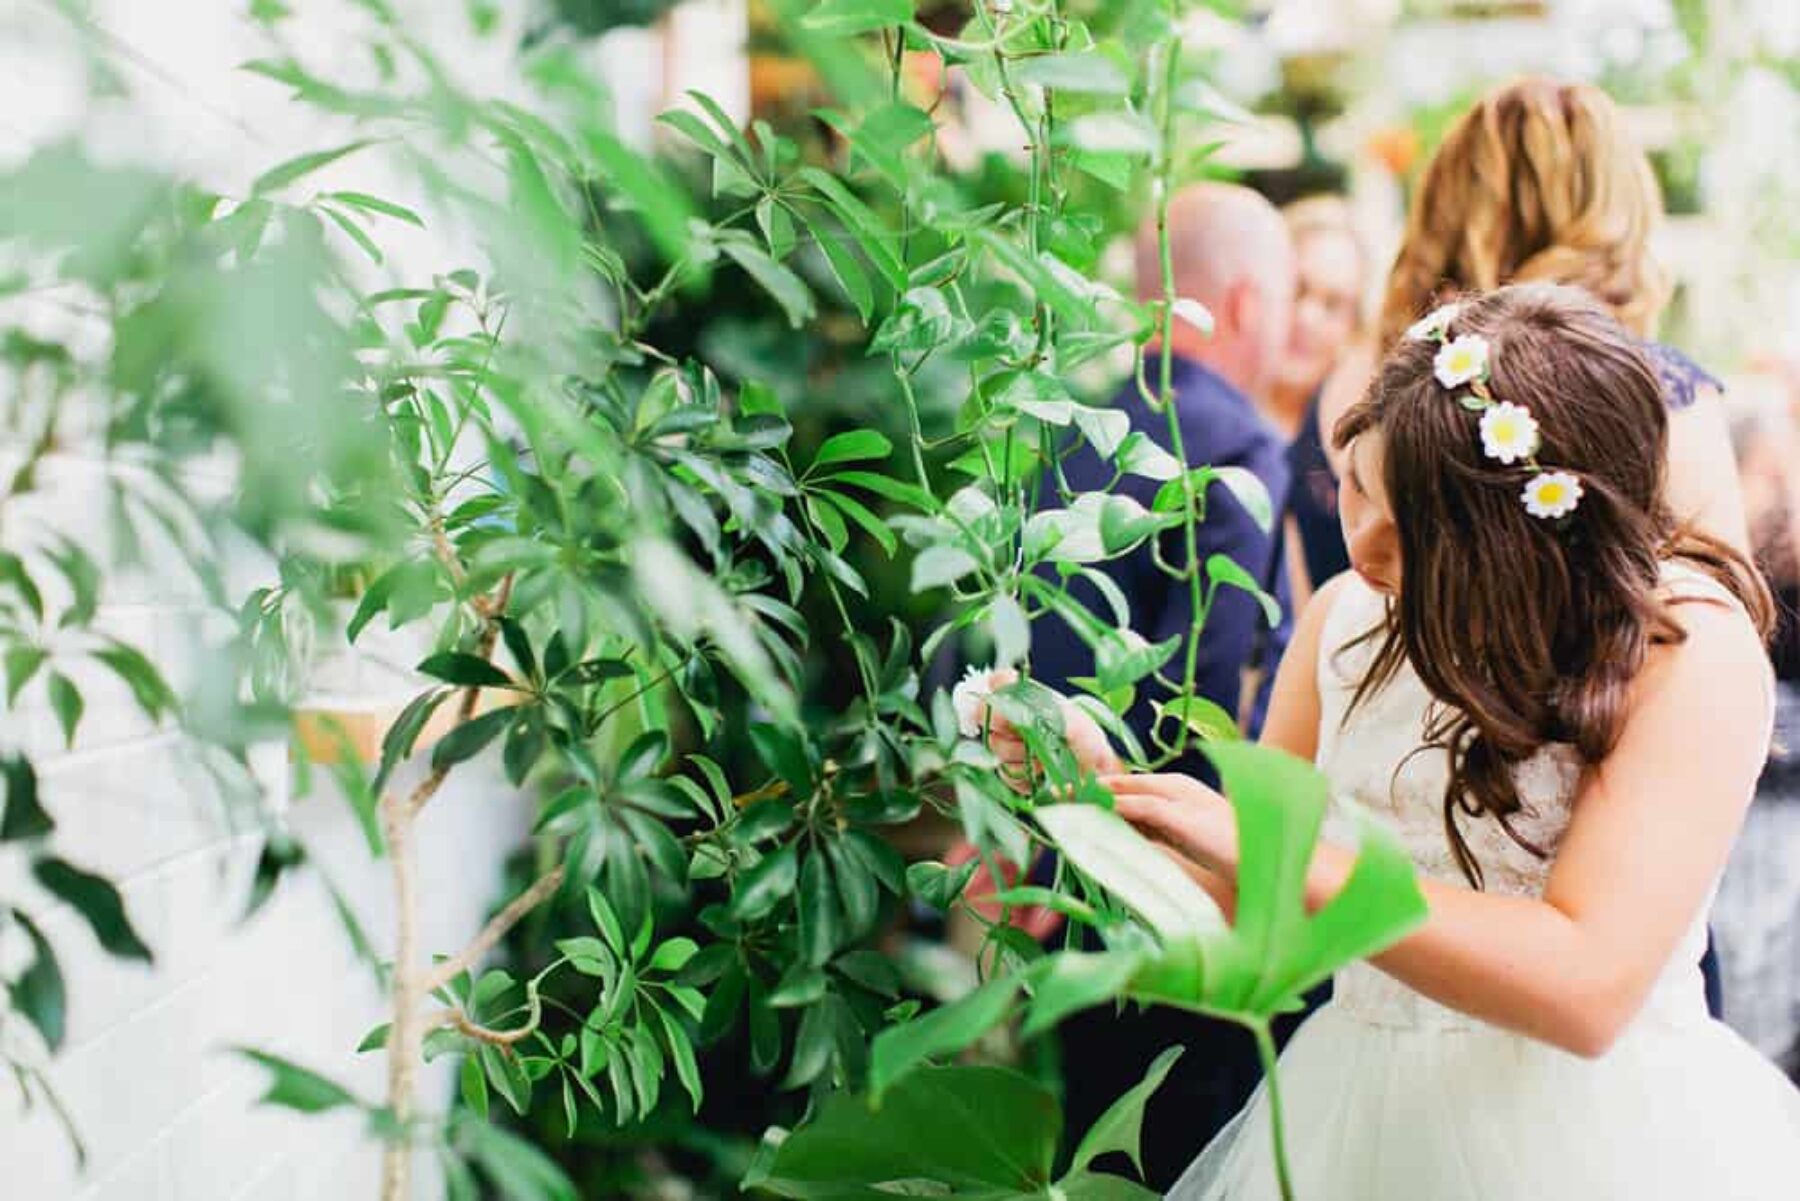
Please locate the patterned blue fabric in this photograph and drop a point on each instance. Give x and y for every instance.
(1682, 378)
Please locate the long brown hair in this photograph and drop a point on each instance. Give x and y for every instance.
(1539, 181)
(1528, 631)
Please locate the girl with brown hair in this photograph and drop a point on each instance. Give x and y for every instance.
(1559, 700)
(1541, 181)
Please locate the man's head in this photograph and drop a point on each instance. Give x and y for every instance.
(1230, 251)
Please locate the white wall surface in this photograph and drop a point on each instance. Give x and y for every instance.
(164, 1108)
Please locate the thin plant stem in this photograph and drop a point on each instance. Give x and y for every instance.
(1265, 1051)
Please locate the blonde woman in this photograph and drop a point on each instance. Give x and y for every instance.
(1331, 273)
(1540, 181)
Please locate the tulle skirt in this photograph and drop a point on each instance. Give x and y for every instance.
(1675, 1111)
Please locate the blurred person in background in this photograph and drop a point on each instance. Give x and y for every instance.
(1331, 273)
(1542, 181)
(1757, 915)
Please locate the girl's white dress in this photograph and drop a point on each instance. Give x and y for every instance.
(1390, 1096)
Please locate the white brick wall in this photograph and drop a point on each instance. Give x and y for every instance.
(164, 1108)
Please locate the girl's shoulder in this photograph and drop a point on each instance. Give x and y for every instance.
(1721, 650)
(1682, 378)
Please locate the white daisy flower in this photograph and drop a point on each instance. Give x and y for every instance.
(1551, 494)
(1509, 432)
(1433, 325)
(967, 698)
(1461, 360)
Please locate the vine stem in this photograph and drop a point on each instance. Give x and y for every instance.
(1165, 375)
(1265, 1050)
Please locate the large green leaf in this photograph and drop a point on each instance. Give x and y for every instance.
(950, 1131)
(858, 16)
(1274, 950)
(899, 1049)
(1105, 847)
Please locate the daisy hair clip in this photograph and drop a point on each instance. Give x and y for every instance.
(1509, 433)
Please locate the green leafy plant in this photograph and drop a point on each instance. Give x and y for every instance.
(632, 574)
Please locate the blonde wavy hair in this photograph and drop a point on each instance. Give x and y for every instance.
(1539, 181)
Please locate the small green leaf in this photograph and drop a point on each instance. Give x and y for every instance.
(1206, 718)
(765, 885)
(1087, 71)
(1121, 1127)
(98, 902)
(1223, 569)
(39, 994)
(22, 663)
(1249, 491)
(301, 166)
(23, 816)
(65, 699)
(146, 683)
(818, 908)
(397, 744)
(355, 233)
(788, 290)
(375, 204)
(843, 264)
(681, 1053)
(673, 955)
(457, 667)
(298, 1088)
(857, 16)
(940, 566)
(1102, 845)
(474, 1086)
(469, 739)
(850, 447)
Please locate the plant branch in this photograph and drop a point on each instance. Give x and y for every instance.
(495, 930)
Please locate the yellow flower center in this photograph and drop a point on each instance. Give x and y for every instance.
(1551, 493)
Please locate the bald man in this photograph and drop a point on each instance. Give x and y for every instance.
(1230, 251)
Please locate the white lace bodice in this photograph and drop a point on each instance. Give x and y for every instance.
(1374, 762)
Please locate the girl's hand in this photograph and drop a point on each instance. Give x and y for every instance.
(1086, 739)
(1036, 921)
(1181, 813)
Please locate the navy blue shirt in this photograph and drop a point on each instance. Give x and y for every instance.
(1219, 428)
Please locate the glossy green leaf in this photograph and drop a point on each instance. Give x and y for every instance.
(456, 667)
(940, 1131)
(764, 886)
(470, 738)
(1223, 569)
(1206, 718)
